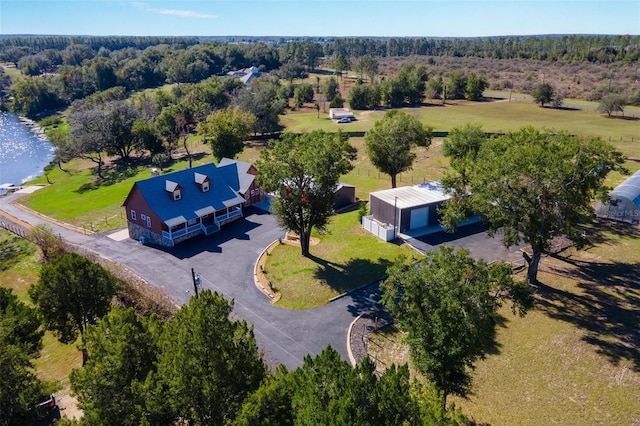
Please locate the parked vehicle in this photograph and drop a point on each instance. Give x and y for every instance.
(344, 120)
(47, 411)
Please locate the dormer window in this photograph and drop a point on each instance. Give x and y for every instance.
(174, 190)
(202, 181)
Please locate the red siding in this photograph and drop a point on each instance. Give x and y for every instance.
(135, 201)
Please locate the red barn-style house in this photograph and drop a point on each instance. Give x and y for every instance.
(171, 208)
(242, 177)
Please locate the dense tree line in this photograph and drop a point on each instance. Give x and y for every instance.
(202, 367)
(40, 43)
(592, 48)
(79, 66)
(55, 78)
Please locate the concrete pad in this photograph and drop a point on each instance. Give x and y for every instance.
(30, 189)
(121, 235)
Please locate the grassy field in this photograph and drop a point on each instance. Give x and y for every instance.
(575, 358)
(346, 257)
(501, 116)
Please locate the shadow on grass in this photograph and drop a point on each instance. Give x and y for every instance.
(355, 273)
(121, 170)
(599, 232)
(111, 174)
(607, 307)
(624, 117)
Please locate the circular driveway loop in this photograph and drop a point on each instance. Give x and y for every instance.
(225, 262)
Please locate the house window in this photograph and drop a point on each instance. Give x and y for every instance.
(205, 186)
(177, 195)
(133, 215)
(148, 221)
(143, 217)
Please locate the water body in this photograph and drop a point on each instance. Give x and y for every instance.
(23, 151)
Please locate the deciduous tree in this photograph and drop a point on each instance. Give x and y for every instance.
(305, 170)
(341, 65)
(50, 244)
(447, 303)
(389, 142)
(543, 93)
(475, 87)
(226, 130)
(70, 289)
(303, 93)
(533, 185)
(612, 104)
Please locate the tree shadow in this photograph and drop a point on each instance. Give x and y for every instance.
(601, 231)
(120, 170)
(624, 117)
(351, 275)
(606, 306)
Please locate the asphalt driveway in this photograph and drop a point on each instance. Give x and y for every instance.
(475, 239)
(225, 262)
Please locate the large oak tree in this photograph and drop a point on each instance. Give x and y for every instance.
(226, 130)
(304, 170)
(533, 185)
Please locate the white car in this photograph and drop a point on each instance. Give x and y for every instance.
(344, 120)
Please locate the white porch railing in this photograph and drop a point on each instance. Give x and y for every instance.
(236, 212)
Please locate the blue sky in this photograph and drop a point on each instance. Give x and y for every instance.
(450, 18)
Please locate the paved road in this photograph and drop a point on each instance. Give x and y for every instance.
(225, 262)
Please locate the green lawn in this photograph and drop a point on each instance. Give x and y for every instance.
(493, 116)
(345, 258)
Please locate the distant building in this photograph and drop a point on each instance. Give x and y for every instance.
(624, 205)
(338, 113)
(246, 75)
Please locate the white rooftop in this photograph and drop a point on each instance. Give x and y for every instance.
(413, 196)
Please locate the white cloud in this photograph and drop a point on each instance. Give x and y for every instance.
(175, 12)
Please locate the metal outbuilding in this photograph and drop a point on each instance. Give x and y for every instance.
(625, 202)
